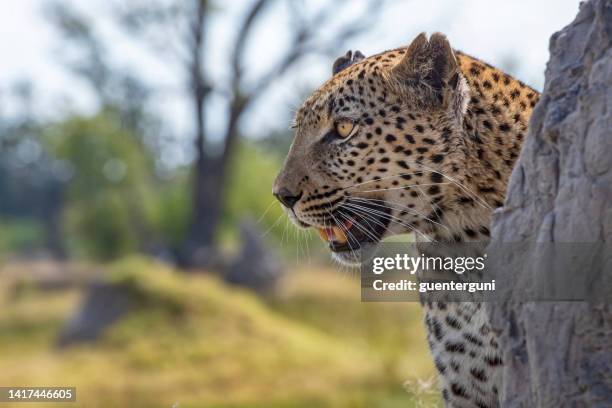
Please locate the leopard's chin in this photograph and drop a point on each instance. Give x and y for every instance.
(355, 257)
(348, 258)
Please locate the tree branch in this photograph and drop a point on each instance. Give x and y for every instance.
(302, 41)
(302, 44)
(239, 101)
(240, 43)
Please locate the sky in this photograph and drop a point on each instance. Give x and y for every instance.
(513, 35)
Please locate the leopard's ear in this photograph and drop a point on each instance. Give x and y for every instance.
(428, 69)
(346, 61)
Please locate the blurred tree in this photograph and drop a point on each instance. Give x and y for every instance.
(192, 19)
(108, 197)
(123, 137)
(251, 172)
(179, 32)
(31, 180)
(86, 55)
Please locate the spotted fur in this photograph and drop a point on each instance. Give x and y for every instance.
(437, 134)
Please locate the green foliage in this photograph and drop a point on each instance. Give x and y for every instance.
(250, 195)
(102, 153)
(19, 235)
(171, 211)
(114, 205)
(108, 198)
(250, 185)
(101, 228)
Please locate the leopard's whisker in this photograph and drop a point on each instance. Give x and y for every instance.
(362, 209)
(362, 229)
(285, 231)
(457, 183)
(400, 208)
(347, 232)
(306, 239)
(383, 178)
(386, 203)
(367, 216)
(434, 206)
(403, 187)
(406, 224)
(419, 169)
(361, 214)
(298, 246)
(274, 201)
(273, 225)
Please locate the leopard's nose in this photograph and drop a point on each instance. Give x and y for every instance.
(286, 197)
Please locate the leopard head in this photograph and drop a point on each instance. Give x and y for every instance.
(373, 146)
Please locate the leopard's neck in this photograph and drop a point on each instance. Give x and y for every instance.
(489, 141)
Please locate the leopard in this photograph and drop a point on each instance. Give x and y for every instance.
(419, 139)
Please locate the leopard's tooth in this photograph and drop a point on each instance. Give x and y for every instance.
(335, 234)
(339, 235)
(323, 234)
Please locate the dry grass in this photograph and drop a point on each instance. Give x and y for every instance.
(198, 342)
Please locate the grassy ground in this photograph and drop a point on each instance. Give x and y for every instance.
(195, 342)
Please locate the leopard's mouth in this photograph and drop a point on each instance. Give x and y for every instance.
(350, 228)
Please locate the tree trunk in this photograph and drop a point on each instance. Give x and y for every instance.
(210, 179)
(560, 353)
(206, 181)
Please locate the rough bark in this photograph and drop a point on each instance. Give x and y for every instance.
(560, 353)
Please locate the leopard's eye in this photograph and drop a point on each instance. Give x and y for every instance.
(345, 128)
